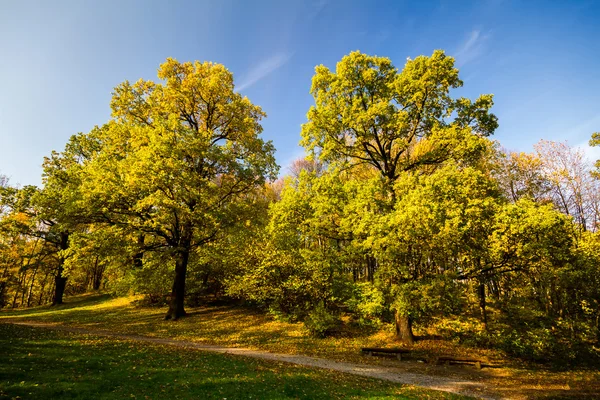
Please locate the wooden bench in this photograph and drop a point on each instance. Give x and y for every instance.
(370, 351)
(458, 360)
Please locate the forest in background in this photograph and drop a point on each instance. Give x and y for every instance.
(405, 215)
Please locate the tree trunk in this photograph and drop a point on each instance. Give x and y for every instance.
(3, 284)
(369, 269)
(2, 299)
(30, 295)
(19, 287)
(98, 273)
(482, 304)
(39, 303)
(138, 257)
(50, 296)
(60, 282)
(97, 281)
(176, 309)
(24, 292)
(597, 322)
(404, 329)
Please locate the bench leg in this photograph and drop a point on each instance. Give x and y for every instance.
(399, 357)
(370, 353)
(478, 365)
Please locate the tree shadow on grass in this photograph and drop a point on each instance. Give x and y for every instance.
(86, 300)
(54, 365)
(72, 302)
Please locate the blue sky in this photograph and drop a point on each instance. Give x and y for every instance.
(61, 60)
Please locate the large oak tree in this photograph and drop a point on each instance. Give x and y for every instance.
(177, 158)
(367, 112)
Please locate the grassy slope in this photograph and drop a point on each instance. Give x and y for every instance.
(232, 326)
(45, 364)
(228, 326)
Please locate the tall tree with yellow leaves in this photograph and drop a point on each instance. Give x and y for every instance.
(367, 112)
(177, 158)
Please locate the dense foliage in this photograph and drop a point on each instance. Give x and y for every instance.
(405, 214)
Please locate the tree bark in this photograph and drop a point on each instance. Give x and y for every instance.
(176, 307)
(50, 296)
(138, 257)
(25, 286)
(482, 304)
(3, 284)
(97, 281)
(60, 282)
(43, 283)
(597, 322)
(30, 295)
(404, 329)
(2, 288)
(19, 286)
(98, 273)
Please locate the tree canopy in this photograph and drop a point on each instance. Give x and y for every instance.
(405, 213)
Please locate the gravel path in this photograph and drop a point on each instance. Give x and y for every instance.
(464, 387)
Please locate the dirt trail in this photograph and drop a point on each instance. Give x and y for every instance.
(464, 387)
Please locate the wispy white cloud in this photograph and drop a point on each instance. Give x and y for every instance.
(471, 48)
(581, 134)
(263, 69)
(585, 128)
(591, 153)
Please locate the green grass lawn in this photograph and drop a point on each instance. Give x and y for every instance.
(37, 363)
(241, 327)
(224, 325)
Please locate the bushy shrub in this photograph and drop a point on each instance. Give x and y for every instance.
(368, 304)
(321, 322)
(152, 280)
(542, 340)
(461, 329)
(536, 344)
